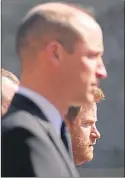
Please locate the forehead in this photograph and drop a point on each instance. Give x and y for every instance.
(91, 33)
(88, 112)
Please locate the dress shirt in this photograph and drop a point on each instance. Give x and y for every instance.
(47, 108)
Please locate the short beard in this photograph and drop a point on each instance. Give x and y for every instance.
(81, 151)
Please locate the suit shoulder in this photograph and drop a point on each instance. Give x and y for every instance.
(19, 119)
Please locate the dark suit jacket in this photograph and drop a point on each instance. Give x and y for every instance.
(30, 147)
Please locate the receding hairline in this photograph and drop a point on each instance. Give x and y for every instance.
(54, 8)
(73, 112)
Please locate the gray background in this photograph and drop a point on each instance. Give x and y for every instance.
(109, 151)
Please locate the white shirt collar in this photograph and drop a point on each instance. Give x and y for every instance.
(48, 109)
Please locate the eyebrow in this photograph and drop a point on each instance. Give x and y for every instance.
(95, 52)
(89, 120)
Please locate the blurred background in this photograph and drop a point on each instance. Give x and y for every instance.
(109, 151)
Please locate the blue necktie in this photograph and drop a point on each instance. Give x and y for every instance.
(63, 136)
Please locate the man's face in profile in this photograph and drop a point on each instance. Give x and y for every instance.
(84, 68)
(84, 134)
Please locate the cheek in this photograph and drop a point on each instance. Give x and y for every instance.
(85, 133)
(88, 65)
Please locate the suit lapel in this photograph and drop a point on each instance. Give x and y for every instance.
(21, 102)
(60, 147)
(49, 129)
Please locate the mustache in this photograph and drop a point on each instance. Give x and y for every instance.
(93, 143)
(82, 143)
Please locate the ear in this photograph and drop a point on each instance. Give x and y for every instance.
(54, 50)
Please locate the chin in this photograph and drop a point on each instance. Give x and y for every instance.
(89, 158)
(82, 158)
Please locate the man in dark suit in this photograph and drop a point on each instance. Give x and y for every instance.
(60, 48)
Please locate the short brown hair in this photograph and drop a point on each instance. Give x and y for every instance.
(74, 111)
(44, 23)
(99, 95)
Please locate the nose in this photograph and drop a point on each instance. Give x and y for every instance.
(95, 133)
(101, 70)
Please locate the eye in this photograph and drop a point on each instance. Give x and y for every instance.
(93, 55)
(87, 124)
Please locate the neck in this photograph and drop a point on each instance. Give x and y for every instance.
(49, 92)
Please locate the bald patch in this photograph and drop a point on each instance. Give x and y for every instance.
(50, 21)
(82, 16)
(54, 6)
(85, 24)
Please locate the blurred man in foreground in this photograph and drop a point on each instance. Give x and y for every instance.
(81, 122)
(9, 85)
(60, 47)
(76, 119)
